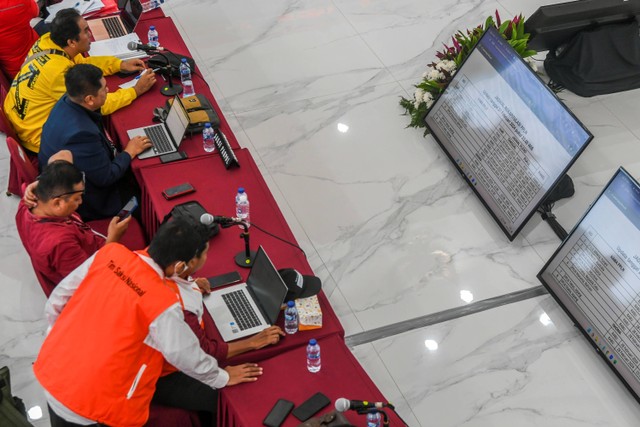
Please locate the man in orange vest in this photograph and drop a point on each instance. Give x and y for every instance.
(113, 322)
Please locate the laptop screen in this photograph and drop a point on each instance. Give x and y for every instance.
(131, 12)
(177, 120)
(267, 286)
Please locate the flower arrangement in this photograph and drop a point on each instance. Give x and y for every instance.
(440, 73)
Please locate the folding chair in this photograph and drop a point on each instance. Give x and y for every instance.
(22, 165)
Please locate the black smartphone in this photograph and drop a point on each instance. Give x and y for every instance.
(224, 279)
(310, 406)
(278, 413)
(172, 157)
(178, 190)
(131, 206)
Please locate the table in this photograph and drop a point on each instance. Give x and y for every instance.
(286, 377)
(215, 190)
(140, 112)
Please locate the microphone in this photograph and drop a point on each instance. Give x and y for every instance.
(145, 47)
(208, 219)
(343, 405)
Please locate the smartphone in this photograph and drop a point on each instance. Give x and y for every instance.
(131, 206)
(177, 191)
(172, 157)
(224, 279)
(310, 406)
(278, 413)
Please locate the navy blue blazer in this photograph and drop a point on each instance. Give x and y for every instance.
(74, 128)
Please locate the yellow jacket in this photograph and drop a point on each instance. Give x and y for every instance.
(40, 84)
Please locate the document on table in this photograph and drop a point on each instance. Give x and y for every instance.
(117, 47)
(84, 7)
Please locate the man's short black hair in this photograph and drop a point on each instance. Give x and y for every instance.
(82, 80)
(65, 27)
(58, 177)
(178, 240)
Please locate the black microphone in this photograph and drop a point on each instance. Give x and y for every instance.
(208, 219)
(145, 47)
(343, 405)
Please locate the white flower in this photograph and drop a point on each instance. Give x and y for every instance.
(417, 104)
(429, 103)
(427, 97)
(425, 74)
(419, 94)
(435, 75)
(532, 63)
(446, 65)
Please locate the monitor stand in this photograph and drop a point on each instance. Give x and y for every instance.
(562, 190)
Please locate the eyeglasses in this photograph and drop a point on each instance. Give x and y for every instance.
(68, 193)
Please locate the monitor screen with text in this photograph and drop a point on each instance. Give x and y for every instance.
(506, 131)
(595, 276)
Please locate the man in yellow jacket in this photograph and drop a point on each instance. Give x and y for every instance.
(40, 82)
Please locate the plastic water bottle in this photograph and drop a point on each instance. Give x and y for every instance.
(313, 356)
(374, 419)
(291, 318)
(185, 78)
(208, 142)
(242, 206)
(152, 36)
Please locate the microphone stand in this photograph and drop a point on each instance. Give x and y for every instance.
(169, 89)
(244, 258)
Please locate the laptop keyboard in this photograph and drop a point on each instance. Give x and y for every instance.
(161, 143)
(114, 27)
(241, 310)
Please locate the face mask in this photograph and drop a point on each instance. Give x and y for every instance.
(175, 270)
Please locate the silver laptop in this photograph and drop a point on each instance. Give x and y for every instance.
(118, 25)
(166, 137)
(248, 308)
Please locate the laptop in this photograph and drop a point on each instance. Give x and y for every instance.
(248, 308)
(166, 137)
(119, 25)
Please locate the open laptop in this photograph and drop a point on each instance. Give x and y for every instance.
(167, 136)
(248, 308)
(119, 25)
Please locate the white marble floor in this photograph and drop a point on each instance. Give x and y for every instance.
(387, 222)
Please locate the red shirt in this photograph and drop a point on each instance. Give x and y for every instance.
(16, 34)
(56, 245)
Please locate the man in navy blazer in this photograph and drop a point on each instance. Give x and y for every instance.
(75, 124)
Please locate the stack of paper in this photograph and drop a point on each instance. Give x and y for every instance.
(117, 47)
(84, 7)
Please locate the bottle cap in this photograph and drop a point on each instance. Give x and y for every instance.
(183, 60)
(291, 304)
(240, 189)
(152, 28)
(313, 341)
(207, 125)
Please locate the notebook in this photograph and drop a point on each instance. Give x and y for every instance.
(248, 308)
(118, 25)
(167, 136)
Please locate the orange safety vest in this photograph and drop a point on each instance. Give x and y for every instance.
(94, 360)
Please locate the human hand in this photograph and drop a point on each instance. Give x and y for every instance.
(204, 285)
(137, 145)
(268, 336)
(145, 82)
(245, 373)
(29, 198)
(132, 65)
(117, 228)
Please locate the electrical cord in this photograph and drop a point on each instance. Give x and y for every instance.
(253, 224)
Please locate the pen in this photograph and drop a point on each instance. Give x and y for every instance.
(140, 75)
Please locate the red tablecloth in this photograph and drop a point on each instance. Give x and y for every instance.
(286, 377)
(215, 190)
(140, 112)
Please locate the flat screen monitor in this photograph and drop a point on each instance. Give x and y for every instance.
(595, 276)
(555, 24)
(506, 131)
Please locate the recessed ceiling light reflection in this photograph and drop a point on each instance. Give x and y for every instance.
(35, 413)
(342, 128)
(431, 345)
(466, 296)
(545, 319)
